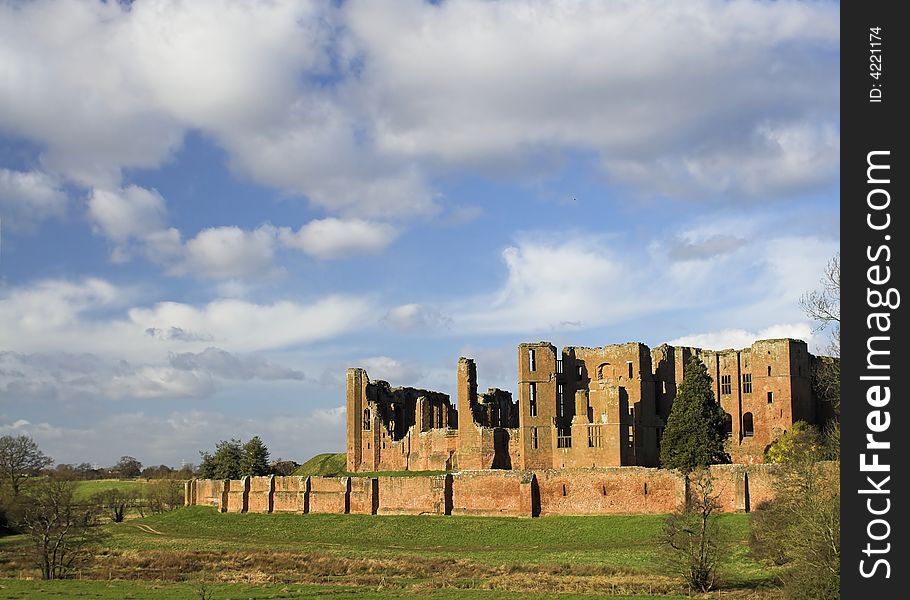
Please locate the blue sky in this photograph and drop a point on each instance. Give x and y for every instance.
(210, 210)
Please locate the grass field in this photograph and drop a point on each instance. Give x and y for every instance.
(119, 590)
(316, 556)
(87, 489)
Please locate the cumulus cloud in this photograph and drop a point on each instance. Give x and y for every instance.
(741, 338)
(65, 316)
(154, 382)
(249, 327)
(29, 196)
(416, 317)
(478, 104)
(134, 219)
(227, 252)
(229, 366)
(558, 283)
(359, 106)
(339, 238)
(579, 280)
(392, 370)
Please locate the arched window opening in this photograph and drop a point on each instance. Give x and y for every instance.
(366, 419)
(748, 426)
(728, 422)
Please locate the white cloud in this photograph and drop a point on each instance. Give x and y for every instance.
(92, 314)
(339, 238)
(238, 325)
(741, 338)
(128, 216)
(394, 371)
(160, 382)
(29, 196)
(359, 106)
(229, 252)
(416, 317)
(559, 283)
(230, 366)
(577, 280)
(634, 83)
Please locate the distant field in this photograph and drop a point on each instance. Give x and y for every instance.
(309, 556)
(87, 489)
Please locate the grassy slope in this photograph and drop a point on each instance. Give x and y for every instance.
(323, 464)
(330, 465)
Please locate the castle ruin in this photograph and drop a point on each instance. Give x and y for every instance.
(578, 408)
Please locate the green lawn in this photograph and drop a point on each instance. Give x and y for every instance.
(297, 556)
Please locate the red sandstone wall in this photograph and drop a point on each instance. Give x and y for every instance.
(290, 494)
(364, 499)
(609, 491)
(413, 495)
(236, 495)
(329, 495)
(260, 497)
(208, 492)
(492, 493)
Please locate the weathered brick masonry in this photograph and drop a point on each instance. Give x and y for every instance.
(577, 408)
(514, 493)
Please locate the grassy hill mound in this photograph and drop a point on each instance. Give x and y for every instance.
(327, 465)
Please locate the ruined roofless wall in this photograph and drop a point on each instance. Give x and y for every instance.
(397, 429)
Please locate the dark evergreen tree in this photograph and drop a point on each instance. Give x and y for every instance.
(695, 432)
(255, 460)
(206, 466)
(226, 460)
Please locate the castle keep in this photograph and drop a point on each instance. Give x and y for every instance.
(576, 408)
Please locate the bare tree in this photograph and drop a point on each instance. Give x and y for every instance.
(61, 530)
(113, 501)
(691, 537)
(823, 307)
(20, 457)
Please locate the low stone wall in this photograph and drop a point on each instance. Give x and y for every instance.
(364, 496)
(415, 495)
(617, 490)
(291, 494)
(203, 492)
(329, 495)
(493, 493)
(604, 491)
(237, 495)
(261, 494)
